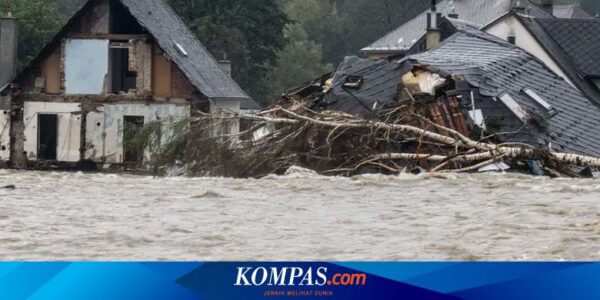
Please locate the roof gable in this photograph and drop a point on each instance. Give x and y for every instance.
(476, 12)
(162, 23)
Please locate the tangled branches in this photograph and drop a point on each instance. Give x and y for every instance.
(334, 143)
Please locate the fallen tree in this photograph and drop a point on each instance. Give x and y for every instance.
(334, 143)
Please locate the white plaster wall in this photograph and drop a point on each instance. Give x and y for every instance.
(4, 135)
(112, 136)
(94, 136)
(226, 107)
(69, 128)
(510, 26)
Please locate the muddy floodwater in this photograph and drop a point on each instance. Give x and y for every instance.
(77, 216)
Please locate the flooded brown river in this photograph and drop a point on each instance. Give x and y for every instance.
(77, 216)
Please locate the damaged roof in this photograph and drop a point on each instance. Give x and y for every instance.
(496, 67)
(479, 12)
(363, 86)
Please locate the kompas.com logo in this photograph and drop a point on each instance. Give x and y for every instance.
(296, 276)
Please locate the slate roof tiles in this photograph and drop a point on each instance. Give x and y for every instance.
(496, 66)
(478, 12)
(579, 39)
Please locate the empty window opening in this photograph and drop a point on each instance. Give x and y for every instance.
(353, 82)
(512, 39)
(122, 80)
(132, 149)
(47, 136)
(86, 66)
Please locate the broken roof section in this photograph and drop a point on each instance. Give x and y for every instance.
(363, 86)
(497, 68)
(478, 12)
(508, 93)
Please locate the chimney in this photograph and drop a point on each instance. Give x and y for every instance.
(452, 14)
(434, 35)
(225, 66)
(548, 6)
(518, 6)
(8, 48)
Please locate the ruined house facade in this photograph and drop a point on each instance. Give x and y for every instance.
(115, 66)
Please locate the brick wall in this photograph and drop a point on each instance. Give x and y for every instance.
(180, 86)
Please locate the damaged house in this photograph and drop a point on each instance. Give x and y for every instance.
(114, 67)
(472, 83)
(562, 36)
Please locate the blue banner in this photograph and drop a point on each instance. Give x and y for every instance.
(254, 280)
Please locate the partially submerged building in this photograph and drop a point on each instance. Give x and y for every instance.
(474, 83)
(563, 36)
(512, 94)
(115, 66)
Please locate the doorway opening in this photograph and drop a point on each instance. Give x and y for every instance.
(47, 136)
(132, 150)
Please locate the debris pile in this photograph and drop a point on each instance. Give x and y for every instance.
(407, 137)
(407, 116)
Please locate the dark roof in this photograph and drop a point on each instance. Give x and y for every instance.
(495, 67)
(579, 39)
(478, 12)
(460, 24)
(199, 66)
(159, 19)
(378, 86)
(573, 45)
